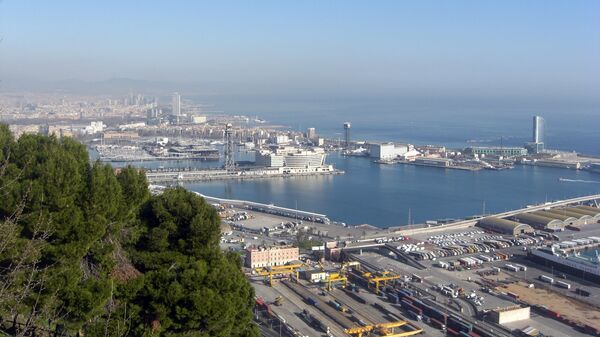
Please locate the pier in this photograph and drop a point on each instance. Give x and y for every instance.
(197, 175)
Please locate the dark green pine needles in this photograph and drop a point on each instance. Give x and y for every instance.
(86, 250)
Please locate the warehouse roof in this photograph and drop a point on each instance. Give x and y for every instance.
(568, 212)
(537, 220)
(504, 226)
(589, 210)
(557, 214)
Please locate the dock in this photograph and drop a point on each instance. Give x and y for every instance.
(199, 175)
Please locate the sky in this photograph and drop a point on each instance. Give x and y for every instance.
(503, 48)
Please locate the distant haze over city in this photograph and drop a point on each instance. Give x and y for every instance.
(535, 50)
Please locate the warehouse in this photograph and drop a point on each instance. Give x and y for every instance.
(504, 226)
(540, 222)
(594, 212)
(568, 220)
(582, 219)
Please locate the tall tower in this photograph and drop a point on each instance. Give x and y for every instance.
(538, 129)
(311, 133)
(176, 104)
(347, 127)
(229, 160)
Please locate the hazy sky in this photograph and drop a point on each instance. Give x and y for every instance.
(536, 48)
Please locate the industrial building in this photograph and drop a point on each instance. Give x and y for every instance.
(573, 218)
(437, 162)
(593, 212)
(504, 226)
(269, 257)
(496, 151)
(387, 151)
(567, 219)
(540, 222)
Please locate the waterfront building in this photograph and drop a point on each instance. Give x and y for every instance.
(311, 133)
(496, 151)
(537, 142)
(347, 127)
(437, 162)
(387, 151)
(291, 157)
(269, 257)
(538, 129)
(268, 159)
(303, 158)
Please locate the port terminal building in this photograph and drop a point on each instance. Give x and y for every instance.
(496, 151)
(387, 151)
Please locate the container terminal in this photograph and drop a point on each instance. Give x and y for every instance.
(477, 277)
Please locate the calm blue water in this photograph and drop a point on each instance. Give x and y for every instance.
(382, 195)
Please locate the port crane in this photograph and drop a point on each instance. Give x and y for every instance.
(290, 269)
(376, 280)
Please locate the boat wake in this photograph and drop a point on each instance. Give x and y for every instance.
(578, 181)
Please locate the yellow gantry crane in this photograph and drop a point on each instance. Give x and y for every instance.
(382, 279)
(290, 269)
(384, 330)
(335, 277)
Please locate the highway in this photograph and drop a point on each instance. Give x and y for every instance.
(471, 223)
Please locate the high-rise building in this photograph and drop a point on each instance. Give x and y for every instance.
(347, 127)
(311, 133)
(176, 104)
(538, 129)
(537, 141)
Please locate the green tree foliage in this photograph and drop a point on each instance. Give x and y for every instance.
(71, 224)
(190, 287)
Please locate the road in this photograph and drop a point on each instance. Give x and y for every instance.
(471, 223)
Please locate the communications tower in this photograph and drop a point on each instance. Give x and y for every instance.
(229, 160)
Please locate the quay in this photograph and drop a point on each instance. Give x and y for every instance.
(196, 175)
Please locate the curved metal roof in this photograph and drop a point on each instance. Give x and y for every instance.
(593, 211)
(504, 225)
(569, 213)
(556, 215)
(537, 220)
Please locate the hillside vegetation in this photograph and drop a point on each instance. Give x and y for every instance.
(85, 250)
